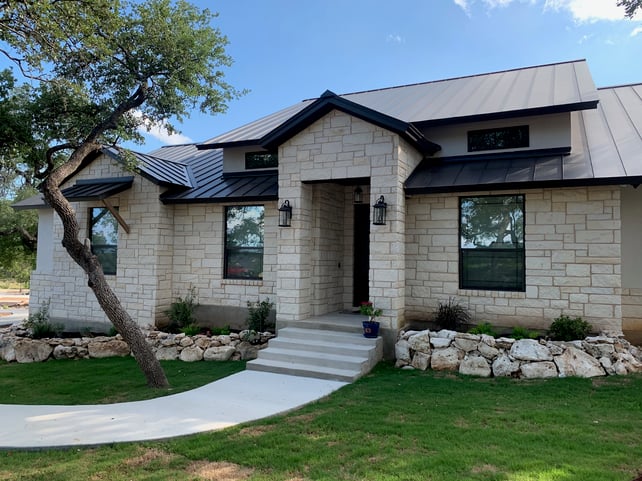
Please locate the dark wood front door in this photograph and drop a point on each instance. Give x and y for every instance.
(361, 253)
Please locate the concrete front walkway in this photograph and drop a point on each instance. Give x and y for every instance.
(239, 398)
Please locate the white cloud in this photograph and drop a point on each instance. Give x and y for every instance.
(463, 4)
(581, 10)
(159, 132)
(588, 10)
(398, 39)
(636, 31)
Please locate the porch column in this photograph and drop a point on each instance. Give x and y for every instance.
(294, 270)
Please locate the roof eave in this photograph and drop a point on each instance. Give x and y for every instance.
(540, 184)
(545, 110)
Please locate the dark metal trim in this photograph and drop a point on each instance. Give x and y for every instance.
(551, 109)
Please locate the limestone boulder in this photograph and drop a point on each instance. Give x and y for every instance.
(421, 360)
(440, 342)
(7, 350)
(504, 342)
(111, 348)
(466, 344)
(191, 354)
(574, 362)
(475, 365)
(69, 352)
(504, 366)
(446, 359)
(538, 370)
(402, 351)
(487, 351)
(445, 333)
(420, 342)
(530, 350)
(28, 350)
(221, 353)
(248, 350)
(167, 353)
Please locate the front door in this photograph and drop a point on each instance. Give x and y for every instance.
(361, 253)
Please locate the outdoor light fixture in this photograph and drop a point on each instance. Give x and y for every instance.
(379, 212)
(357, 195)
(285, 214)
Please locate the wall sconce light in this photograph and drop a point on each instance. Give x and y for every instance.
(379, 212)
(285, 214)
(357, 196)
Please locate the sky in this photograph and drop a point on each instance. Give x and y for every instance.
(286, 51)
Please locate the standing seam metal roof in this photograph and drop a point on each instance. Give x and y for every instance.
(566, 86)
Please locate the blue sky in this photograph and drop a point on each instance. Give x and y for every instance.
(286, 51)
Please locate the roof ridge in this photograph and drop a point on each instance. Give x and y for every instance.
(458, 78)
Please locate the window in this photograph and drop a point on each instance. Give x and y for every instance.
(261, 160)
(103, 234)
(501, 138)
(491, 243)
(244, 242)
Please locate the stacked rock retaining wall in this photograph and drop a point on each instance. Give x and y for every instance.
(15, 347)
(482, 355)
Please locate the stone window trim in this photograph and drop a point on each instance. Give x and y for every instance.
(486, 264)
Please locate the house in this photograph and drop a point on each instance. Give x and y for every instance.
(513, 191)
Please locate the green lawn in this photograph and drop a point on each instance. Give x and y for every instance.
(394, 425)
(100, 381)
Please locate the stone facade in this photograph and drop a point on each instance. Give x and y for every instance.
(572, 244)
(168, 250)
(315, 254)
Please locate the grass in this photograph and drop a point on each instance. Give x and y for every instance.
(100, 381)
(394, 425)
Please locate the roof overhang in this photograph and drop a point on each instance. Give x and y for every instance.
(97, 189)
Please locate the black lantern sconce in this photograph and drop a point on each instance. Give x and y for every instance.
(357, 195)
(379, 212)
(285, 214)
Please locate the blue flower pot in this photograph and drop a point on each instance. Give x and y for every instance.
(370, 329)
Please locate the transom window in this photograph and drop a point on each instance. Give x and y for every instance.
(103, 234)
(491, 243)
(261, 160)
(499, 138)
(244, 242)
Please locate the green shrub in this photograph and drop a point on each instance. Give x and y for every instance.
(451, 315)
(221, 331)
(483, 328)
(39, 325)
(257, 317)
(181, 312)
(564, 328)
(191, 329)
(520, 332)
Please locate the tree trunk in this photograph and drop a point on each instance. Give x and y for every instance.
(83, 256)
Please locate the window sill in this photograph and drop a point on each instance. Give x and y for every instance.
(242, 282)
(492, 294)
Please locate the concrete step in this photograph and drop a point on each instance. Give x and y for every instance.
(317, 345)
(321, 335)
(304, 370)
(321, 359)
(327, 347)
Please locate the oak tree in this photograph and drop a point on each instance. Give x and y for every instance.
(103, 69)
